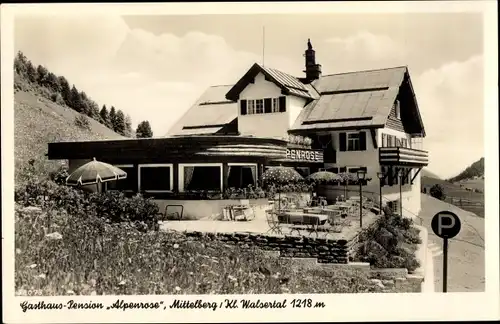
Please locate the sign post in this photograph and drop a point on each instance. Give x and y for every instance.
(446, 225)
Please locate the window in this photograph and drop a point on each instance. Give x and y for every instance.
(263, 106)
(251, 107)
(259, 106)
(353, 142)
(276, 105)
(127, 184)
(397, 109)
(155, 177)
(200, 177)
(241, 175)
(384, 140)
(303, 171)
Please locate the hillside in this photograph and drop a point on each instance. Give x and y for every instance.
(429, 174)
(474, 170)
(39, 121)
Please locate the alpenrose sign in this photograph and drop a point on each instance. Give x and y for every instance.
(304, 155)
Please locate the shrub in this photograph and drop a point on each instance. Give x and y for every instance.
(390, 243)
(110, 205)
(82, 122)
(59, 176)
(57, 98)
(437, 191)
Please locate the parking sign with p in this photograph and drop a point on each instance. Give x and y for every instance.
(446, 224)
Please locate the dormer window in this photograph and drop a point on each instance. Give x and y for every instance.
(397, 109)
(263, 106)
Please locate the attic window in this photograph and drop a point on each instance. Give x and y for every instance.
(397, 109)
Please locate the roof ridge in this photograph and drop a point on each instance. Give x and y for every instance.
(369, 70)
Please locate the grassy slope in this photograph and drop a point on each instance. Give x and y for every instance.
(454, 190)
(466, 251)
(39, 121)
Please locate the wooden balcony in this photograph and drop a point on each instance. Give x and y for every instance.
(403, 156)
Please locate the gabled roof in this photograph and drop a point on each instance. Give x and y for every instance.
(353, 100)
(208, 115)
(288, 84)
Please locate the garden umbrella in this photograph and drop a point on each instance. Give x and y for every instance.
(323, 176)
(94, 172)
(281, 175)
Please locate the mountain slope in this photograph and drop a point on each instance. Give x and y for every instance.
(39, 121)
(476, 169)
(429, 174)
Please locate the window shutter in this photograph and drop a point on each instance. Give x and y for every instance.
(342, 142)
(362, 141)
(243, 107)
(282, 104)
(398, 142)
(384, 140)
(268, 102)
(396, 177)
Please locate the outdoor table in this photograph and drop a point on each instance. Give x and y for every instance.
(298, 217)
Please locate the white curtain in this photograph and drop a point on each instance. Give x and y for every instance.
(253, 168)
(188, 176)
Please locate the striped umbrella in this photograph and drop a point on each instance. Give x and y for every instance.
(94, 172)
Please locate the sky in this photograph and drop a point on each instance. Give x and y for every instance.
(155, 67)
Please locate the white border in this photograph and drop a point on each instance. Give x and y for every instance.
(155, 165)
(247, 164)
(181, 172)
(120, 166)
(345, 307)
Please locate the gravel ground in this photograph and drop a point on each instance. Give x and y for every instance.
(466, 261)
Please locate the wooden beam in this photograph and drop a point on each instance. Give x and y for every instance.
(412, 179)
(374, 137)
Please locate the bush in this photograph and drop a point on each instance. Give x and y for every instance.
(59, 176)
(82, 122)
(112, 205)
(437, 191)
(57, 98)
(390, 243)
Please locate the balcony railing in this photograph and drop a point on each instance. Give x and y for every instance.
(403, 156)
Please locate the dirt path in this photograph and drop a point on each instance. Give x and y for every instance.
(466, 263)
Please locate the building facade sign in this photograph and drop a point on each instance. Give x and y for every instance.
(304, 155)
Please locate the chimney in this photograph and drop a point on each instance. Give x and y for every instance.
(313, 70)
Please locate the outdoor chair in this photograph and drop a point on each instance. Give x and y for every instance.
(244, 211)
(172, 214)
(273, 222)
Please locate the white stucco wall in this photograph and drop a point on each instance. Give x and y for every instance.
(294, 106)
(263, 125)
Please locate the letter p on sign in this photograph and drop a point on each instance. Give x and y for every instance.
(446, 224)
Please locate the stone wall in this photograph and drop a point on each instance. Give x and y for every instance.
(322, 249)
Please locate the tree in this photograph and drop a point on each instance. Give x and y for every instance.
(128, 126)
(93, 110)
(437, 191)
(42, 74)
(112, 118)
(31, 72)
(51, 81)
(105, 116)
(20, 63)
(119, 125)
(144, 130)
(65, 90)
(76, 100)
